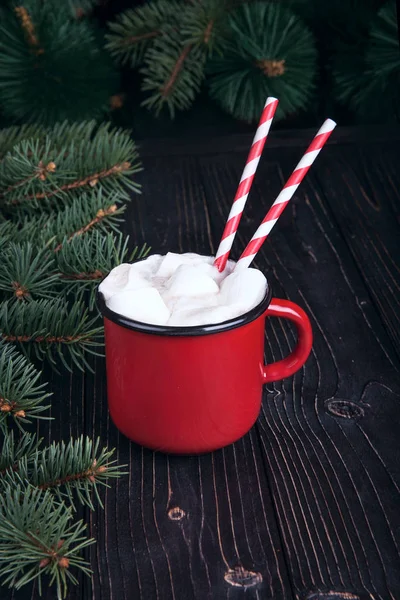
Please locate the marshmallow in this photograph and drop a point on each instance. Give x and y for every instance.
(172, 261)
(146, 268)
(182, 290)
(213, 272)
(245, 288)
(137, 282)
(200, 316)
(115, 281)
(145, 305)
(192, 303)
(190, 281)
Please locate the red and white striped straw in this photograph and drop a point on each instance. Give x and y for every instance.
(286, 194)
(246, 181)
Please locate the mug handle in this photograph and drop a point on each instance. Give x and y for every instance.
(296, 359)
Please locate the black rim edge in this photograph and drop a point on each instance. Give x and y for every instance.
(192, 330)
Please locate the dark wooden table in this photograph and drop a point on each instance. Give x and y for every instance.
(307, 505)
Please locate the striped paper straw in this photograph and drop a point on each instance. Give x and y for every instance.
(246, 181)
(286, 194)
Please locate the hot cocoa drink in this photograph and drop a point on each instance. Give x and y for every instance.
(182, 290)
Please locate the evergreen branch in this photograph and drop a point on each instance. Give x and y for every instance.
(76, 258)
(27, 271)
(53, 67)
(13, 135)
(13, 451)
(87, 212)
(367, 67)
(80, 8)
(38, 538)
(69, 470)
(173, 72)
(169, 84)
(51, 329)
(84, 261)
(63, 133)
(271, 53)
(39, 172)
(91, 180)
(134, 30)
(206, 24)
(66, 134)
(29, 29)
(8, 231)
(21, 394)
(99, 218)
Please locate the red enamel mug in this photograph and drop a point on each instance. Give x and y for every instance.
(189, 390)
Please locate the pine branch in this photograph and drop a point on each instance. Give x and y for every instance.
(76, 258)
(84, 261)
(26, 271)
(38, 538)
(13, 135)
(272, 53)
(173, 73)
(80, 8)
(70, 470)
(134, 30)
(206, 24)
(53, 66)
(51, 329)
(8, 231)
(92, 211)
(367, 67)
(28, 29)
(21, 394)
(103, 217)
(14, 451)
(39, 173)
(64, 132)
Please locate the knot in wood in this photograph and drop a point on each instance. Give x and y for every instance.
(176, 514)
(272, 68)
(240, 577)
(344, 409)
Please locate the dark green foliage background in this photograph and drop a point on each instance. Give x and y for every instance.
(341, 80)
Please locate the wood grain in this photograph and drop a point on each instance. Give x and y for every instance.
(305, 506)
(334, 484)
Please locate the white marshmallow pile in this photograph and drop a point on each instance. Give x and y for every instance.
(182, 290)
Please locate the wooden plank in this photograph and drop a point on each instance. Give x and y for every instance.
(201, 143)
(183, 527)
(305, 506)
(365, 202)
(329, 442)
(333, 478)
